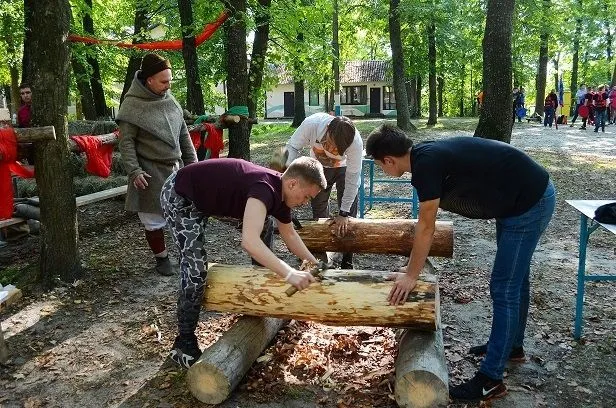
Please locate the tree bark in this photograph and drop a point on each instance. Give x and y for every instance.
(141, 23)
(341, 298)
(222, 366)
(432, 74)
(496, 116)
(411, 93)
(50, 53)
(194, 93)
(336, 61)
(259, 53)
(403, 116)
(376, 236)
(82, 79)
(419, 84)
(96, 81)
(542, 71)
(237, 77)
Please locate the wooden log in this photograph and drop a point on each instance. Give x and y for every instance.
(108, 138)
(35, 134)
(421, 370)
(222, 366)
(341, 298)
(377, 236)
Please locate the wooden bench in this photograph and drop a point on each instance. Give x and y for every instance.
(80, 201)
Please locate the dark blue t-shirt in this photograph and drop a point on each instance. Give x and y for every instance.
(221, 187)
(477, 178)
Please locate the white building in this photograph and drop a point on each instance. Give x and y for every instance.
(365, 90)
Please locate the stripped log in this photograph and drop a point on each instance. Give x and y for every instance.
(222, 366)
(341, 298)
(4, 351)
(376, 236)
(421, 370)
(35, 134)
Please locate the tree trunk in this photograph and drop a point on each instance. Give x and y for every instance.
(376, 236)
(237, 77)
(9, 28)
(432, 74)
(440, 88)
(341, 298)
(418, 95)
(96, 81)
(82, 79)
(337, 108)
(50, 57)
(26, 64)
(542, 70)
(403, 117)
(14, 96)
(259, 53)
(222, 366)
(575, 64)
(194, 93)
(496, 116)
(411, 91)
(141, 23)
(298, 101)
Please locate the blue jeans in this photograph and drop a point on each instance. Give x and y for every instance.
(600, 117)
(516, 240)
(549, 116)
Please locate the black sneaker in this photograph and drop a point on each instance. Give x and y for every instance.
(517, 353)
(185, 350)
(480, 387)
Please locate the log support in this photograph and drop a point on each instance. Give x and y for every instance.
(222, 366)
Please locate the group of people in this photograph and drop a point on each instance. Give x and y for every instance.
(596, 106)
(473, 177)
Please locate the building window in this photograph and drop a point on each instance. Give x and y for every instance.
(354, 95)
(389, 98)
(313, 98)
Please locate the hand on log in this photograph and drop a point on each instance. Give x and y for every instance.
(403, 286)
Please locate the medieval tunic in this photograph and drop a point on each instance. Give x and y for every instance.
(154, 139)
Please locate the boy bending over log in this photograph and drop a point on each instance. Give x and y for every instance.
(482, 179)
(238, 189)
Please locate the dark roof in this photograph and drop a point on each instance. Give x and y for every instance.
(353, 72)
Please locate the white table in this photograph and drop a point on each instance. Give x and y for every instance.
(587, 212)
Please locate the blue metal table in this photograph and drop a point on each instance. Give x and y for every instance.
(587, 210)
(371, 198)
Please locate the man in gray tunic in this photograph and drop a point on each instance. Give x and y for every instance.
(154, 142)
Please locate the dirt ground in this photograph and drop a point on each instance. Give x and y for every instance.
(102, 341)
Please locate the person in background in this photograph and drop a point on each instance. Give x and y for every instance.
(154, 142)
(24, 114)
(579, 101)
(480, 179)
(238, 189)
(549, 108)
(613, 106)
(520, 105)
(600, 101)
(336, 144)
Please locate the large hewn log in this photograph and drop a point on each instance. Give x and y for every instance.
(342, 298)
(35, 134)
(222, 366)
(4, 351)
(377, 236)
(421, 370)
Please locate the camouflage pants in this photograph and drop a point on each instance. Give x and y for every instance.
(187, 225)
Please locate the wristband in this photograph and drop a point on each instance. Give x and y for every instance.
(343, 213)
